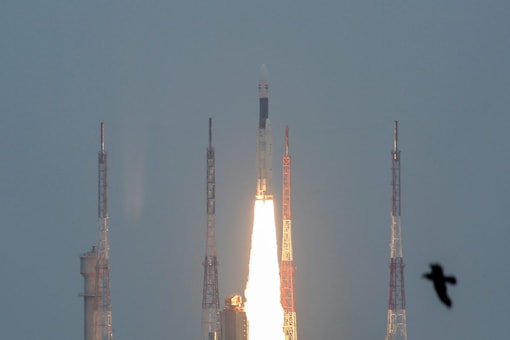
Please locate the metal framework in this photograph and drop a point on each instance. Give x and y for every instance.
(104, 327)
(287, 262)
(211, 326)
(397, 303)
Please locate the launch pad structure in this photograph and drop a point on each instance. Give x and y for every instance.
(231, 323)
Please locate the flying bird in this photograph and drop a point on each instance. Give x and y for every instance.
(436, 275)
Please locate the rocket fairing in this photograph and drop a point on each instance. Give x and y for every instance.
(264, 140)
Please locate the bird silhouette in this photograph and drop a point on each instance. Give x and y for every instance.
(436, 275)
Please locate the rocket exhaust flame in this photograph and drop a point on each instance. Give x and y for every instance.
(263, 307)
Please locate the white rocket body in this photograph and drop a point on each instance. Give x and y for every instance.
(264, 141)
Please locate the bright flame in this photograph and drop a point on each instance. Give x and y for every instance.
(263, 307)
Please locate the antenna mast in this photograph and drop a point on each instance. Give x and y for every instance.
(210, 300)
(287, 261)
(396, 305)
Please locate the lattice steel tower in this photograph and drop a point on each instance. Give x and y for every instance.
(397, 302)
(103, 265)
(95, 266)
(211, 327)
(287, 261)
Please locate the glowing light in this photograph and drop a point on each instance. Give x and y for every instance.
(263, 308)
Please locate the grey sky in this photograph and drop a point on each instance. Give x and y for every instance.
(340, 72)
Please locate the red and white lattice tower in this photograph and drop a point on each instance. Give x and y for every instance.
(287, 262)
(397, 302)
(210, 302)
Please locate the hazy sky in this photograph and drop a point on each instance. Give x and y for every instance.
(340, 72)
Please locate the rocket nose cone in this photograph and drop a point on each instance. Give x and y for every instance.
(263, 74)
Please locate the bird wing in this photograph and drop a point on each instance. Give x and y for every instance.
(451, 279)
(441, 291)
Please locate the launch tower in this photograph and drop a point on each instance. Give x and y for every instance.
(287, 262)
(95, 266)
(210, 301)
(397, 302)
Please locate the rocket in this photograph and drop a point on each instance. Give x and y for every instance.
(264, 141)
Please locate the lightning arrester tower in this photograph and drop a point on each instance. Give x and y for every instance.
(210, 301)
(287, 262)
(103, 265)
(397, 302)
(95, 266)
